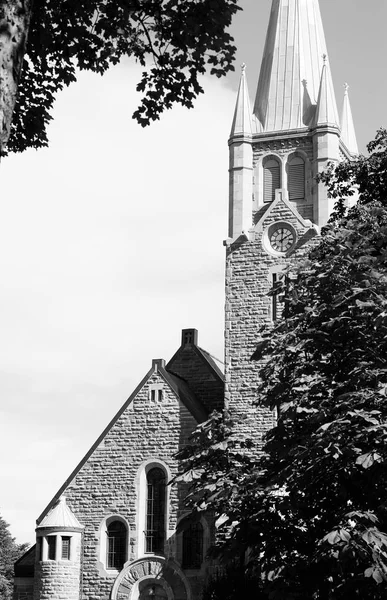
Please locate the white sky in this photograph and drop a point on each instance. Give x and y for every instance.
(111, 243)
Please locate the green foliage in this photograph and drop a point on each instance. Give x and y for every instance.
(365, 176)
(312, 509)
(180, 39)
(10, 551)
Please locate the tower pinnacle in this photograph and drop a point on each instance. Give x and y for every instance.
(326, 110)
(348, 134)
(242, 122)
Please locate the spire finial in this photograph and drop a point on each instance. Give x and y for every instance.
(325, 59)
(346, 88)
(243, 67)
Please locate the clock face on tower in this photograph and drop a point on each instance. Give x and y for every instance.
(279, 238)
(282, 238)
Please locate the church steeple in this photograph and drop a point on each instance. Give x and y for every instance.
(277, 204)
(291, 68)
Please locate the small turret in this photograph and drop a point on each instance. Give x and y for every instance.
(326, 136)
(58, 557)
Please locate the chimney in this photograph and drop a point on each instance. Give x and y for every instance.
(189, 337)
(158, 363)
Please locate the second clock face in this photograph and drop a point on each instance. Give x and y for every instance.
(282, 239)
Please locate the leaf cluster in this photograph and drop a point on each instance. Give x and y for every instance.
(363, 179)
(175, 41)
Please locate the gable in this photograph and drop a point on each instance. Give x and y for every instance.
(282, 209)
(156, 420)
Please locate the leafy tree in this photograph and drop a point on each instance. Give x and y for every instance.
(10, 551)
(43, 42)
(311, 512)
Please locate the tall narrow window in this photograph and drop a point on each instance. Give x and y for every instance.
(274, 298)
(65, 547)
(193, 546)
(280, 285)
(296, 178)
(155, 511)
(51, 543)
(116, 545)
(271, 178)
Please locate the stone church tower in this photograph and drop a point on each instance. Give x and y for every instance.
(115, 530)
(276, 207)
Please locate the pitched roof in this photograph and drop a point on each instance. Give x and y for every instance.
(200, 370)
(187, 397)
(25, 565)
(215, 363)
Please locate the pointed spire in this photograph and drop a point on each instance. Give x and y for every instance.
(60, 516)
(326, 110)
(348, 134)
(295, 45)
(242, 122)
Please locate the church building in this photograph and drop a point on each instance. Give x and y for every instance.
(110, 531)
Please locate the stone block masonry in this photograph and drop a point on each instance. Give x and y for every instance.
(249, 279)
(108, 485)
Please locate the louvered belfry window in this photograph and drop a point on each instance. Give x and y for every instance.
(271, 178)
(296, 178)
(65, 547)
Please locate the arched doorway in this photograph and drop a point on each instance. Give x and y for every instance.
(151, 578)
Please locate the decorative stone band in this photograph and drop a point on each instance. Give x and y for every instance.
(164, 578)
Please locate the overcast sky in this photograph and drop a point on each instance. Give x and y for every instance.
(111, 243)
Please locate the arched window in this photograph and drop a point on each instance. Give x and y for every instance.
(116, 545)
(193, 546)
(296, 178)
(155, 511)
(271, 178)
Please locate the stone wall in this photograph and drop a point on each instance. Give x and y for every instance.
(249, 270)
(56, 580)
